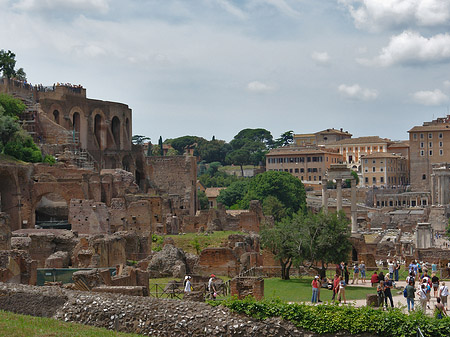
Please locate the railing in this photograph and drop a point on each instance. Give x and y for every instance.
(252, 272)
(176, 290)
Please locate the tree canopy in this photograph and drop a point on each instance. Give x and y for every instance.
(7, 63)
(139, 139)
(311, 240)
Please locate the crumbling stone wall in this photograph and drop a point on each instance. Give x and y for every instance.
(16, 266)
(5, 232)
(247, 286)
(141, 315)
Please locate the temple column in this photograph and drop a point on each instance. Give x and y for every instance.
(324, 195)
(339, 195)
(353, 207)
(433, 190)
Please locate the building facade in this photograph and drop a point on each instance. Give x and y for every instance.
(429, 144)
(321, 138)
(307, 164)
(384, 169)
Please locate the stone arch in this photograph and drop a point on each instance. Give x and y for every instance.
(51, 211)
(78, 125)
(99, 128)
(56, 116)
(115, 130)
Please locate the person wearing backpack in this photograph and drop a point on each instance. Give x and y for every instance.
(440, 311)
(410, 294)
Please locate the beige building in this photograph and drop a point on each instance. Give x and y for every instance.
(429, 144)
(320, 138)
(307, 164)
(384, 170)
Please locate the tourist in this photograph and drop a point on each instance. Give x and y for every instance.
(396, 269)
(419, 268)
(423, 297)
(411, 278)
(212, 287)
(315, 289)
(346, 273)
(355, 273)
(187, 285)
(380, 294)
(435, 284)
(380, 276)
(410, 295)
(440, 309)
(341, 293)
(433, 268)
(387, 291)
(362, 270)
(391, 269)
(374, 279)
(443, 293)
(336, 281)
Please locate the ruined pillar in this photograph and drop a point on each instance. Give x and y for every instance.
(440, 190)
(353, 207)
(339, 195)
(433, 189)
(324, 195)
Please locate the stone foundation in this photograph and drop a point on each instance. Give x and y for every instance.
(247, 286)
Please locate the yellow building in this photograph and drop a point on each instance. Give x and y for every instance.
(384, 170)
(321, 138)
(307, 164)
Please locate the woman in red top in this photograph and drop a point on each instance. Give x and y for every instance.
(315, 289)
(374, 279)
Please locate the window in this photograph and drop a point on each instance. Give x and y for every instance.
(430, 144)
(302, 170)
(422, 145)
(320, 178)
(382, 180)
(315, 178)
(441, 144)
(422, 153)
(366, 170)
(309, 178)
(441, 152)
(441, 135)
(373, 169)
(431, 152)
(290, 170)
(424, 176)
(374, 180)
(381, 169)
(296, 170)
(415, 136)
(373, 161)
(421, 136)
(367, 180)
(286, 170)
(430, 136)
(301, 178)
(365, 161)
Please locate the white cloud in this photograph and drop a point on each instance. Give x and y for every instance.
(259, 87)
(382, 14)
(411, 48)
(435, 97)
(358, 93)
(321, 58)
(81, 5)
(227, 6)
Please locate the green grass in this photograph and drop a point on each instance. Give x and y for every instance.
(299, 290)
(14, 325)
(215, 239)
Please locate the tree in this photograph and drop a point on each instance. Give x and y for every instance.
(12, 106)
(139, 140)
(180, 143)
(285, 139)
(149, 149)
(274, 207)
(22, 147)
(160, 143)
(348, 182)
(7, 63)
(255, 142)
(214, 150)
(8, 126)
(323, 239)
(203, 200)
(234, 193)
(288, 189)
(280, 241)
(21, 75)
(238, 157)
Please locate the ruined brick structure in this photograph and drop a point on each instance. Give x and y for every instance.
(247, 286)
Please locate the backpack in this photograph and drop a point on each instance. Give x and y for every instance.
(405, 292)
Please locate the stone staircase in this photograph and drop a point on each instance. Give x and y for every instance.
(68, 144)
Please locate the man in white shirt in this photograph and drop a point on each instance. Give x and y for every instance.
(391, 269)
(443, 294)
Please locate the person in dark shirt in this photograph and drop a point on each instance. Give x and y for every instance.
(387, 291)
(380, 276)
(435, 284)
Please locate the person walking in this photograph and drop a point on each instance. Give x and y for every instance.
(187, 285)
(387, 291)
(435, 284)
(443, 293)
(355, 273)
(341, 293)
(362, 270)
(391, 269)
(315, 289)
(423, 297)
(410, 294)
(336, 281)
(212, 287)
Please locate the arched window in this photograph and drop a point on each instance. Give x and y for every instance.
(115, 129)
(97, 129)
(56, 116)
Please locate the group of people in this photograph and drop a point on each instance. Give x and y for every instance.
(187, 285)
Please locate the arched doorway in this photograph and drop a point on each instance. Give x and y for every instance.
(115, 130)
(9, 200)
(52, 211)
(56, 116)
(98, 125)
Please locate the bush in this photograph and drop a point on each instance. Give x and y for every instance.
(332, 318)
(49, 159)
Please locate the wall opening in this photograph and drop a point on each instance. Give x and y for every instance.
(115, 129)
(52, 212)
(97, 129)
(56, 116)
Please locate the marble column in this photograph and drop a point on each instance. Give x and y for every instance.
(354, 208)
(339, 195)
(324, 195)
(433, 190)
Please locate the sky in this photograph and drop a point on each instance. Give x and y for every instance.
(214, 67)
